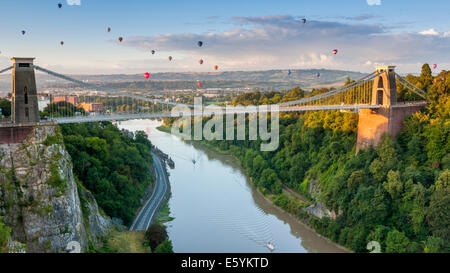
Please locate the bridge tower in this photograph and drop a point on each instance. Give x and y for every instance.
(388, 118)
(24, 104)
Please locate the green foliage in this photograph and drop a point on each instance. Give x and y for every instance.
(5, 105)
(55, 179)
(5, 234)
(114, 167)
(61, 109)
(164, 247)
(396, 242)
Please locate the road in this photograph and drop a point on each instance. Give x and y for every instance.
(149, 211)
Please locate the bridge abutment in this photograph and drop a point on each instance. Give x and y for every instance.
(373, 124)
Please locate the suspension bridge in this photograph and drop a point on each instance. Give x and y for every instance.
(374, 97)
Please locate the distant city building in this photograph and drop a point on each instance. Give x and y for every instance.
(70, 99)
(91, 107)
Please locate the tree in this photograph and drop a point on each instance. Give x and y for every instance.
(156, 234)
(164, 247)
(438, 214)
(394, 185)
(426, 77)
(396, 242)
(5, 105)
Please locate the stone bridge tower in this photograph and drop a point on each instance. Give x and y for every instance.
(24, 104)
(388, 118)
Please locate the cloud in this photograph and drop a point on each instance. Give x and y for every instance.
(74, 2)
(374, 2)
(280, 42)
(431, 31)
(361, 17)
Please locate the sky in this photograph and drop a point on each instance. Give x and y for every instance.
(237, 34)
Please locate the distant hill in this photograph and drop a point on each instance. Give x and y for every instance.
(262, 80)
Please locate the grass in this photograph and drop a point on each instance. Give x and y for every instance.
(127, 242)
(164, 215)
(165, 129)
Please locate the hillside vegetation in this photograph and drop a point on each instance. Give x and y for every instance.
(113, 166)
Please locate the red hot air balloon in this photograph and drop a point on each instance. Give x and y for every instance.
(120, 39)
(170, 58)
(199, 84)
(147, 75)
(216, 67)
(434, 66)
(335, 51)
(201, 61)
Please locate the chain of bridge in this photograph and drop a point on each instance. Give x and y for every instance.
(100, 103)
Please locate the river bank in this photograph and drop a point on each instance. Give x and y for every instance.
(304, 221)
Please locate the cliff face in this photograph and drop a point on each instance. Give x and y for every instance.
(40, 198)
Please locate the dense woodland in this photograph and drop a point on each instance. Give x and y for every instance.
(113, 166)
(397, 194)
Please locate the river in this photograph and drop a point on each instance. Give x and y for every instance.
(216, 210)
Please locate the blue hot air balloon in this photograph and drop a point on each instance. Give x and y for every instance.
(59, 5)
(304, 21)
(200, 43)
(23, 32)
(153, 52)
(289, 72)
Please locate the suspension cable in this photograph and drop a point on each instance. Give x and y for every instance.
(6, 69)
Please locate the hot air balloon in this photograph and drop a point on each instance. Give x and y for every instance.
(289, 72)
(304, 21)
(59, 5)
(153, 52)
(199, 84)
(216, 67)
(62, 43)
(108, 29)
(318, 75)
(170, 58)
(23, 32)
(200, 43)
(120, 39)
(201, 61)
(146, 75)
(434, 66)
(335, 51)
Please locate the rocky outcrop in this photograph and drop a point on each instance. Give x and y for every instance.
(164, 157)
(319, 210)
(39, 197)
(97, 224)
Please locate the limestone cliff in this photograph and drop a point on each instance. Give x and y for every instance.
(39, 196)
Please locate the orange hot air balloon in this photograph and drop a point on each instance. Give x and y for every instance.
(201, 61)
(216, 67)
(199, 84)
(146, 75)
(170, 58)
(120, 39)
